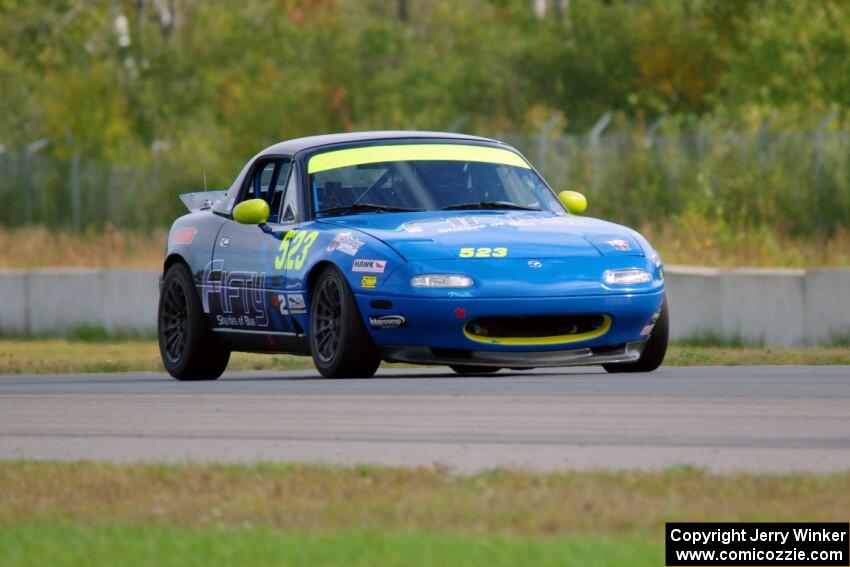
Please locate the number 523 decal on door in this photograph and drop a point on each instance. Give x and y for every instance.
(294, 248)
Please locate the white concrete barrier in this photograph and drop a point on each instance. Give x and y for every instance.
(770, 307)
(130, 298)
(759, 306)
(13, 301)
(827, 306)
(693, 297)
(56, 301)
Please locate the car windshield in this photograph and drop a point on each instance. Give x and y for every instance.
(425, 177)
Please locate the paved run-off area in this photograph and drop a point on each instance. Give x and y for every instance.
(767, 418)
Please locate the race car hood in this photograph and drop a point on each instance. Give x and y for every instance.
(446, 235)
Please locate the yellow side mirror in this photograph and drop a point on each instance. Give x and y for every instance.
(574, 201)
(252, 211)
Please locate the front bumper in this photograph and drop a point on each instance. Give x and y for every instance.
(628, 352)
(438, 323)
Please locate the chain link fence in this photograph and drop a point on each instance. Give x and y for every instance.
(76, 192)
(797, 181)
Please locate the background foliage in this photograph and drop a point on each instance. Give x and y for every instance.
(731, 114)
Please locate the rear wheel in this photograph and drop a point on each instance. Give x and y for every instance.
(653, 352)
(474, 369)
(188, 347)
(340, 344)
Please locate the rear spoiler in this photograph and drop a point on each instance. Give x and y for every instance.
(202, 199)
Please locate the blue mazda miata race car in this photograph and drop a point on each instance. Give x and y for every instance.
(414, 247)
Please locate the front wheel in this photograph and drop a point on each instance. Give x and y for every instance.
(340, 344)
(188, 347)
(654, 350)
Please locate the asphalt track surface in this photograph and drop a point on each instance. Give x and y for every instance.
(776, 419)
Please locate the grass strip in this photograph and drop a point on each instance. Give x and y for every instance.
(67, 545)
(46, 356)
(319, 499)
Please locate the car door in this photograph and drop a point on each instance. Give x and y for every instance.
(245, 291)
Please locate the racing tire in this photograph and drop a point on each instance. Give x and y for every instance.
(189, 349)
(474, 369)
(654, 351)
(339, 342)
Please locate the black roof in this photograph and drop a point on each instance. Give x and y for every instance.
(291, 147)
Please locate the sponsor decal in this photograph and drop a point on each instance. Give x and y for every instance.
(224, 242)
(535, 264)
(460, 312)
(296, 303)
(470, 223)
(620, 244)
(483, 252)
(460, 294)
(346, 243)
(369, 266)
(279, 300)
(656, 258)
(368, 282)
(230, 293)
(387, 321)
(184, 235)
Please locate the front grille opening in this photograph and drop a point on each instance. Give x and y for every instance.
(534, 326)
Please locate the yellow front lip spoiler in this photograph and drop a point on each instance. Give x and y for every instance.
(542, 341)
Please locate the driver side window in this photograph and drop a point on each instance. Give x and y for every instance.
(268, 182)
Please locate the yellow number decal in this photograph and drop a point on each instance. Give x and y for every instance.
(280, 259)
(297, 240)
(294, 249)
(483, 252)
(298, 262)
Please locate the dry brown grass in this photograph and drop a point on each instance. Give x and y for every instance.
(55, 356)
(689, 241)
(316, 498)
(701, 243)
(38, 247)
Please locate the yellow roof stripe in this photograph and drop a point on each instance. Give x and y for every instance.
(413, 152)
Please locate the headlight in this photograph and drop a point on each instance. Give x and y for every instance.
(441, 280)
(626, 277)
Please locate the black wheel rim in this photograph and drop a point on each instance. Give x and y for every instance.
(173, 319)
(327, 331)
